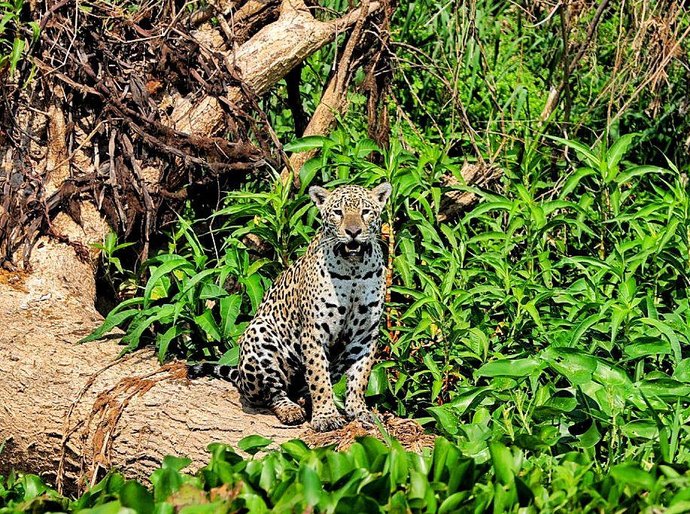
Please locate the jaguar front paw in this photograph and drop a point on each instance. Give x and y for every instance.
(328, 423)
(367, 418)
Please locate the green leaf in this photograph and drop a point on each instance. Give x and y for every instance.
(584, 152)
(510, 368)
(641, 429)
(574, 365)
(114, 319)
(254, 290)
(645, 346)
(637, 171)
(664, 388)
(296, 449)
(378, 380)
(33, 486)
(163, 340)
(231, 357)
(682, 371)
(446, 417)
(308, 172)
(590, 437)
(452, 503)
(35, 30)
(163, 270)
(16, 54)
(253, 443)
(167, 479)
(312, 484)
(208, 325)
(137, 497)
(618, 150)
(502, 461)
(631, 474)
(574, 180)
(307, 143)
(229, 310)
(212, 291)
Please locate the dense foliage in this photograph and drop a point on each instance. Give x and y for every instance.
(544, 330)
(368, 477)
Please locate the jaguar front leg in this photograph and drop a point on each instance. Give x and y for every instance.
(359, 361)
(325, 415)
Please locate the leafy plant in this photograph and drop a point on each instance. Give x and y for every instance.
(370, 476)
(13, 41)
(186, 304)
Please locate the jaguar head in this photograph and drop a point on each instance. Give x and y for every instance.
(351, 215)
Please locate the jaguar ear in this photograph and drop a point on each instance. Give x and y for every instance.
(381, 193)
(318, 195)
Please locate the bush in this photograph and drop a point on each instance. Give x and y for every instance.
(368, 477)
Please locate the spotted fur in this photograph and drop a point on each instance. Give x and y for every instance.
(320, 319)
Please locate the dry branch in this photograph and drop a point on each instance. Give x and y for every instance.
(265, 59)
(334, 98)
(456, 201)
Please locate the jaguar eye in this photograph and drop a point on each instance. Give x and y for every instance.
(338, 212)
(366, 212)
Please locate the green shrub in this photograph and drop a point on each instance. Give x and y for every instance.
(368, 477)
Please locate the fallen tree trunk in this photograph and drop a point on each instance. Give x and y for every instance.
(71, 412)
(265, 59)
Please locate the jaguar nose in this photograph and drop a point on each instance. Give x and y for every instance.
(353, 232)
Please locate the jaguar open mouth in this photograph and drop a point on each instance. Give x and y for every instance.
(352, 249)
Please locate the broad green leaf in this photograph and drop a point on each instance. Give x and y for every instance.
(304, 144)
(641, 429)
(666, 389)
(574, 365)
(254, 290)
(575, 179)
(312, 484)
(212, 291)
(510, 368)
(631, 474)
(446, 417)
(208, 324)
(114, 319)
(502, 461)
(617, 151)
(253, 443)
(645, 346)
(637, 171)
(137, 497)
(584, 152)
(163, 340)
(308, 172)
(229, 310)
(163, 270)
